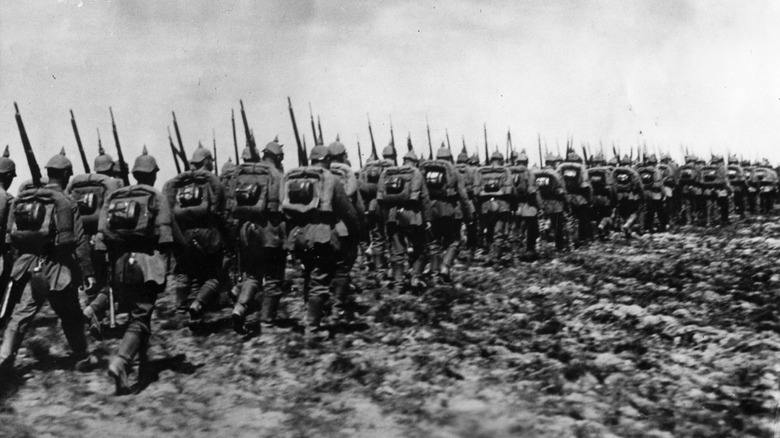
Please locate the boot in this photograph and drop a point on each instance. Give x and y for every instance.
(268, 312)
(398, 274)
(446, 264)
(182, 292)
(93, 322)
(417, 271)
(435, 263)
(379, 260)
(314, 312)
(195, 310)
(117, 370)
(12, 340)
(239, 320)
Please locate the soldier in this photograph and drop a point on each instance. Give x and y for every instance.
(450, 205)
(670, 176)
(198, 199)
(406, 204)
(628, 186)
(752, 186)
(7, 175)
(315, 202)
(257, 210)
(468, 173)
(90, 191)
(339, 167)
(690, 191)
(654, 194)
(764, 179)
(495, 196)
(578, 195)
(716, 190)
(368, 183)
(51, 263)
(738, 183)
(604, 196)
(526, 211)
(137, 233)
(553, 196)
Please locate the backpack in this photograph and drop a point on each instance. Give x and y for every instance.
(307, 190)
(467, 173)
(440, 179)
(400, 185)
(33, 226)
(521, 179)
(735, 174)
(193, 200)
(131, 215)
(547, 183)
(711, 176)
(347, 177)
(688, 175)
(254, 191)
(90, 191)
(647, 176)
(494, 181)
(600, 180)
(667, 174)
(369, 179)
(572, 176)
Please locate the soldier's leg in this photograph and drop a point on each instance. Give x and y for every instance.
(557, 224)
(34, 290)
(137, 334)
(322, 260)
(183, 287)
(273, 279)
(663, 216)
(436, 245)
(397, 252)
(246, 297)
(532, 234)
(451, 243)
(416, 237)
(208, 292)
(65, 304)
(340, 284)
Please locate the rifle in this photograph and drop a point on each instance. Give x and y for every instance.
(322, 139)
(487, 152)
(301, 157)
(305, 152)
(409, 142)
(235, 141)
(313, 128)
(585, 156)
(182, 154)
(430, 147)
(174, 152)
(360, 154)
(374, 155)
(392, 136)
(123, 170)
(214, 147)
(6, 297)
(447, 135)
(541, 157)
(35, 171)
(250, 139)
(78, 142)
(111, 309)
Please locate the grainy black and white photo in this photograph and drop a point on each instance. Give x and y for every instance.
(461, 218)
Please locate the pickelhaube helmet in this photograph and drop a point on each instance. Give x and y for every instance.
(7, 165)
(145, 163)
(59, 162)
(389, 151)
(337, 148)
(228, 166)
(522, 158)
(497, 156)
(474, 160)
(273, 147)
(463, 157)
(572, 157)
(318, 153)
(200, 154)
(443, 153)
(103, 162)
(411, 156)
(651, 159)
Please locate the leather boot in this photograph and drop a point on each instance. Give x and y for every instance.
(379, 260)
(446, 264)
(398, 274)
(435, 263)
(93, 322)
(314, 311)
(417, 272)
(117, 370)
(239, 319)
(268, 312)
(11, 343)
(182, 293)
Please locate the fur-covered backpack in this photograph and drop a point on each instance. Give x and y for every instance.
(440, 179)
(306, 191)
(494, 181)
(193, 198)
(90, 191)
(131, 215)
(254, 191)
(399, 186)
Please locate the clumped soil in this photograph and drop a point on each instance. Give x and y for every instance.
(659, 336)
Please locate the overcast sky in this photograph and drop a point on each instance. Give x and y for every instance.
(704, 74)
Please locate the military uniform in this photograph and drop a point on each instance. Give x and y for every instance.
(7, 175)
(137, 232)
(630, 195)
(375, 221)
(198, 200)
(406, 204)
(256, 208)
(716, 191)
(468, 173)
(654, 195)
(526, 210)
(604, 196)
(314, 201)
(553, 197)
(578, 195)
(90, 191)
(739, 185)
(51, 262)
(689, 186)
(495, 196)
(450, 205)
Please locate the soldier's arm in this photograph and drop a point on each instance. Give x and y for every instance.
(425, 200)
(345, 209)
(463, 197)
(83, 249)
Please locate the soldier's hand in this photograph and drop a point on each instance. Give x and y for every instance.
(89, 283)
(427, 225)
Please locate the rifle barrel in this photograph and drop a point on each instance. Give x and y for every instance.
(235, 141)
(78, 142)
(182, 154)
(301, 156)
(35, 171)
(123, 170)
(174, 152)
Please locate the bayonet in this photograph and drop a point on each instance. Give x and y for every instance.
(123, 169)
(78, 142)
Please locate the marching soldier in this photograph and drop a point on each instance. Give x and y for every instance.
(495, 195)
(257, 208)
(526, 211)
(198, 199)
(450, 205)
(654, 195)
(578, 195)
(369, 183)
(51, 263)
(628, 186)
(468, 173)
(137, 233)
(90, 191)
(716, 190)
(604, 195)
(406, 204)
(553, 196)
(738, 183)
(690, 191)
(7, 175)
(314, 201)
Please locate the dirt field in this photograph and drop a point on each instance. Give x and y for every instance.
(670, 335)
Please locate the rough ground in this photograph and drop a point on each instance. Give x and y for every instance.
(670, 335)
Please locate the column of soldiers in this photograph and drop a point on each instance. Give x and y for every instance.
(122, 243)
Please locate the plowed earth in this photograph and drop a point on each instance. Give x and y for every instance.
(675, 334)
